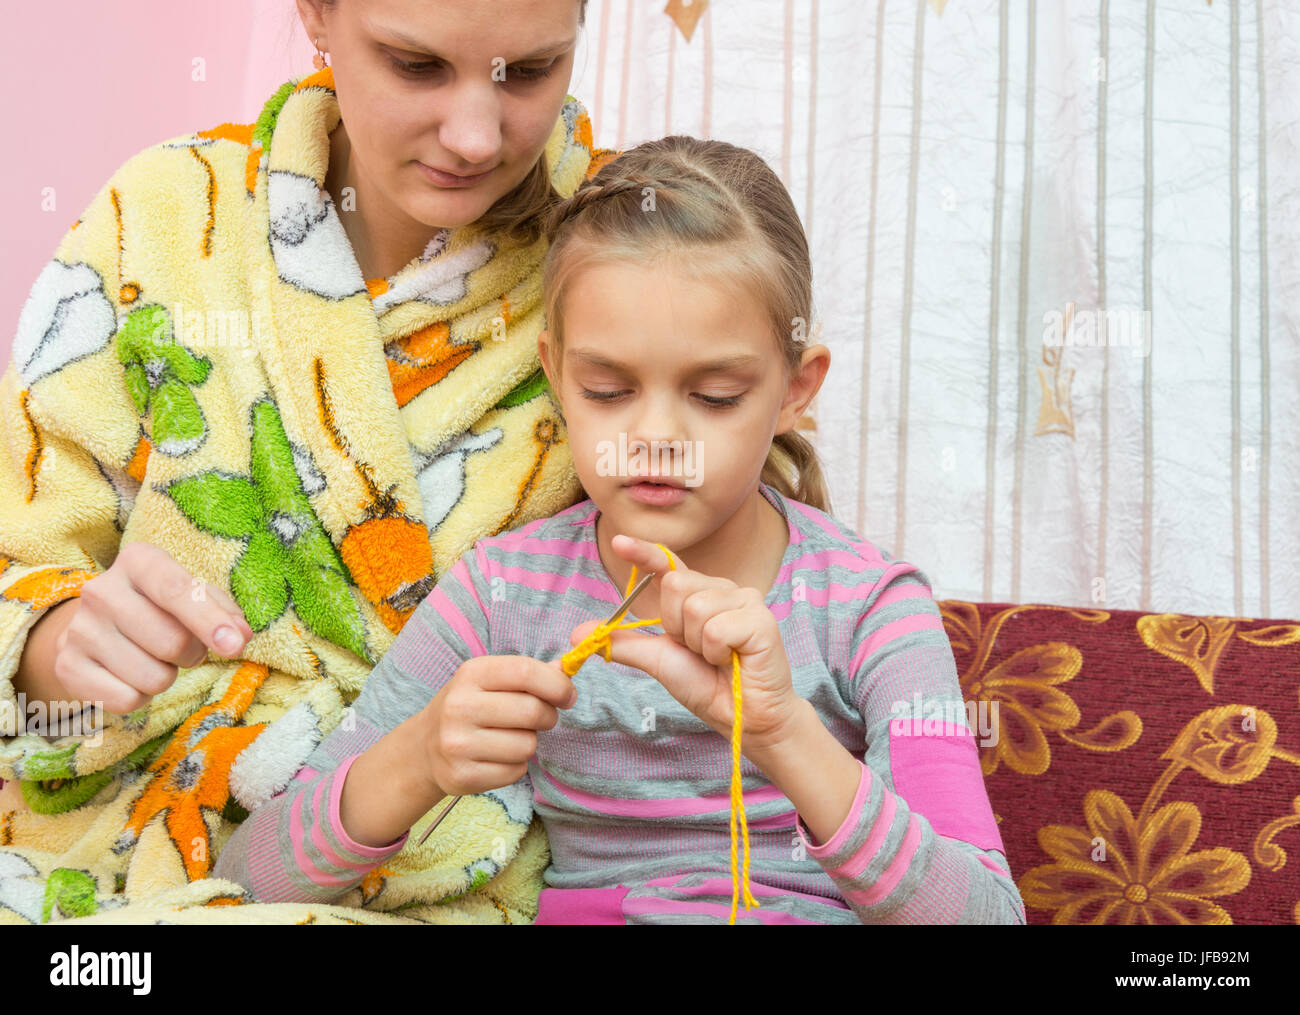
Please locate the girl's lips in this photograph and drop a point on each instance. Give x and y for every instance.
(655, 494)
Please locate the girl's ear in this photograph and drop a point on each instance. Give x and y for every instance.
(804, 386)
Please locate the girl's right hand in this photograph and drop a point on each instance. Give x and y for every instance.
(482, 726)
(136, 624)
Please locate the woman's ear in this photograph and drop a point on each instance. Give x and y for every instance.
(544, 352)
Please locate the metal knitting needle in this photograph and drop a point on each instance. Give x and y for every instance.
(618, 615)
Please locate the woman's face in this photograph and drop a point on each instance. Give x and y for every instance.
(480, 92)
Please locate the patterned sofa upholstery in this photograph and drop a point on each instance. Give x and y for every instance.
(1145, 767)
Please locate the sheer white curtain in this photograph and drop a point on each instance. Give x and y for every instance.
(1056, 262)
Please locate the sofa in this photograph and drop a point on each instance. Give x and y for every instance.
(1144, 768)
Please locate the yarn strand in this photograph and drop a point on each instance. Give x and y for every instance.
(599, 641)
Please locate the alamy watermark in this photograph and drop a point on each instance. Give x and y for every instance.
(652, 459)
(1098, 328)
(52, 719)
(935, 718)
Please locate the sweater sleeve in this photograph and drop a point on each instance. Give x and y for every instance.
(294, 847)
(920, 843)
(71, 443)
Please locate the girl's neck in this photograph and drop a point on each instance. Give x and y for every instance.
(747, 549)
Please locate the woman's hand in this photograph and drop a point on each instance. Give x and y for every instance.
(704, 618)
(136, 624)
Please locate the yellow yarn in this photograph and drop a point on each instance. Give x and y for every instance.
(599, 641)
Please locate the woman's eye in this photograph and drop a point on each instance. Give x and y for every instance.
(533, 73)
(417, 69)
(422, 67)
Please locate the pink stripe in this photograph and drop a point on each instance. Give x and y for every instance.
(899, 628)
(869, 552)
(992, 866)
(461, 572)
(580, 906)
(821, 560)
(898, 593)
(857, 863)
(440, 601)
(836, 842)
(723, 886)
(665, 808)
(546, 581)
(336, 796)
(893, 874)
(306, 773)
(567, 548)
(300, 857)
(638, 906)
(939, 776)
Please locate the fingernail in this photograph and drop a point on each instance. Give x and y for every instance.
(573, 699)
(228, 640)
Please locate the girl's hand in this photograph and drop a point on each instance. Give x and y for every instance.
(480, 730)
(704, 618)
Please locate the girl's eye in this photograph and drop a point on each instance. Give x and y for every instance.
(713, 401)
(533, 73)
(601, 396)
(720, 403)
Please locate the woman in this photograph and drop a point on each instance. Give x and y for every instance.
(276, 379)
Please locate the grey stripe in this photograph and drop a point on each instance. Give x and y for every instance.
(787, 93)
(668, 82)
(627, 69)
(706, 19)
(812, 124)
(598, 112)
(909, 255)
(871, 271)
(1148, 193)
(1021, 363)
(1263, 320)
(1234, 208)
(1102, 93)
(995, 290)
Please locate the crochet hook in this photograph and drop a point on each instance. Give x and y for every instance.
(618, 615)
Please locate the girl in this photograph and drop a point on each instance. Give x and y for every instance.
(677, 285)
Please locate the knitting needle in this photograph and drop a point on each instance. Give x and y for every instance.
(618, 615)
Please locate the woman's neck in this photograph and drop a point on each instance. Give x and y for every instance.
(384, 239)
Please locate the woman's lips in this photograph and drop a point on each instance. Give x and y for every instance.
(444, 179)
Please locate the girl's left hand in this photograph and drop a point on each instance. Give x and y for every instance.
(704, 618)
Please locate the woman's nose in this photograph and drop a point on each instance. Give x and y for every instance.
(471, 126)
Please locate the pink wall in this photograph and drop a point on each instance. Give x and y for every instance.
(89, 83)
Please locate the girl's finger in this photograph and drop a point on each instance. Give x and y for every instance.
(700, 605)
(645, 555)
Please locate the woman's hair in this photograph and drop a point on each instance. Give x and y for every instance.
(727, 212)
(518, 215)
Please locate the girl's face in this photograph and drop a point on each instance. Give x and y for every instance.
(479, 96)
(659, 359)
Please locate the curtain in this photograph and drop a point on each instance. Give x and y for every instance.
(1055, 261)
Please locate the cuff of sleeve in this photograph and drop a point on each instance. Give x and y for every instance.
(336, 795)
(847, 827)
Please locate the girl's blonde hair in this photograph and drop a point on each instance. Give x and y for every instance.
(724, 208)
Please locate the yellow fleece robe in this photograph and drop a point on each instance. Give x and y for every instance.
(202, 367)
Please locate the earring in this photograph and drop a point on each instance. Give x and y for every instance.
(318, 61)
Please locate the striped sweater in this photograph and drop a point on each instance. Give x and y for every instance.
(633, 789)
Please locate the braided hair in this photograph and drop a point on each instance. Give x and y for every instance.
(722, 206)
